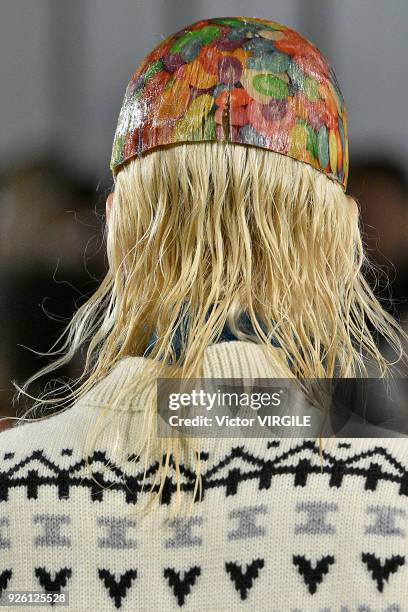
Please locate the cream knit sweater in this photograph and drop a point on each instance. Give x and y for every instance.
(275, 531)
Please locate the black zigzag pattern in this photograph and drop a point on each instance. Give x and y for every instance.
(313, 575)
(5, 576)
(381, 572)
(244, 581)
(181, 586)
(117, 589)
(53, 585)
(293, 463)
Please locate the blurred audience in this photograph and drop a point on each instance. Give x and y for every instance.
(380, 185)
(381, 188)
(50, 260)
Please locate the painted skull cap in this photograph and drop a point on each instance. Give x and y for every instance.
(239, 79)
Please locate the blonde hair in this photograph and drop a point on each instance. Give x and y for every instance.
(215, 229)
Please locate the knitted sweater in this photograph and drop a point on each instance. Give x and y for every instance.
(275, 530)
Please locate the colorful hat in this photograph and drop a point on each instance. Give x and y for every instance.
(241, 79)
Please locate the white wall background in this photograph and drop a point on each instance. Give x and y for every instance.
(64, 66)
(370, 47)
(25, 108)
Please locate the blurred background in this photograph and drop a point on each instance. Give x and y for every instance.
(64, 67)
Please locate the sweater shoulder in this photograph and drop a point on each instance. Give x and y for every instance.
(63, 430)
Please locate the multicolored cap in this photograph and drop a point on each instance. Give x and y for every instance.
(240, 79)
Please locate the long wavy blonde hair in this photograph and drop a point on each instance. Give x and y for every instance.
(215, 229)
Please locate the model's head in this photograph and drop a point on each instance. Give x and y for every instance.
(230, 161)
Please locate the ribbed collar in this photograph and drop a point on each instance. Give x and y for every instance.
(233, 359)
